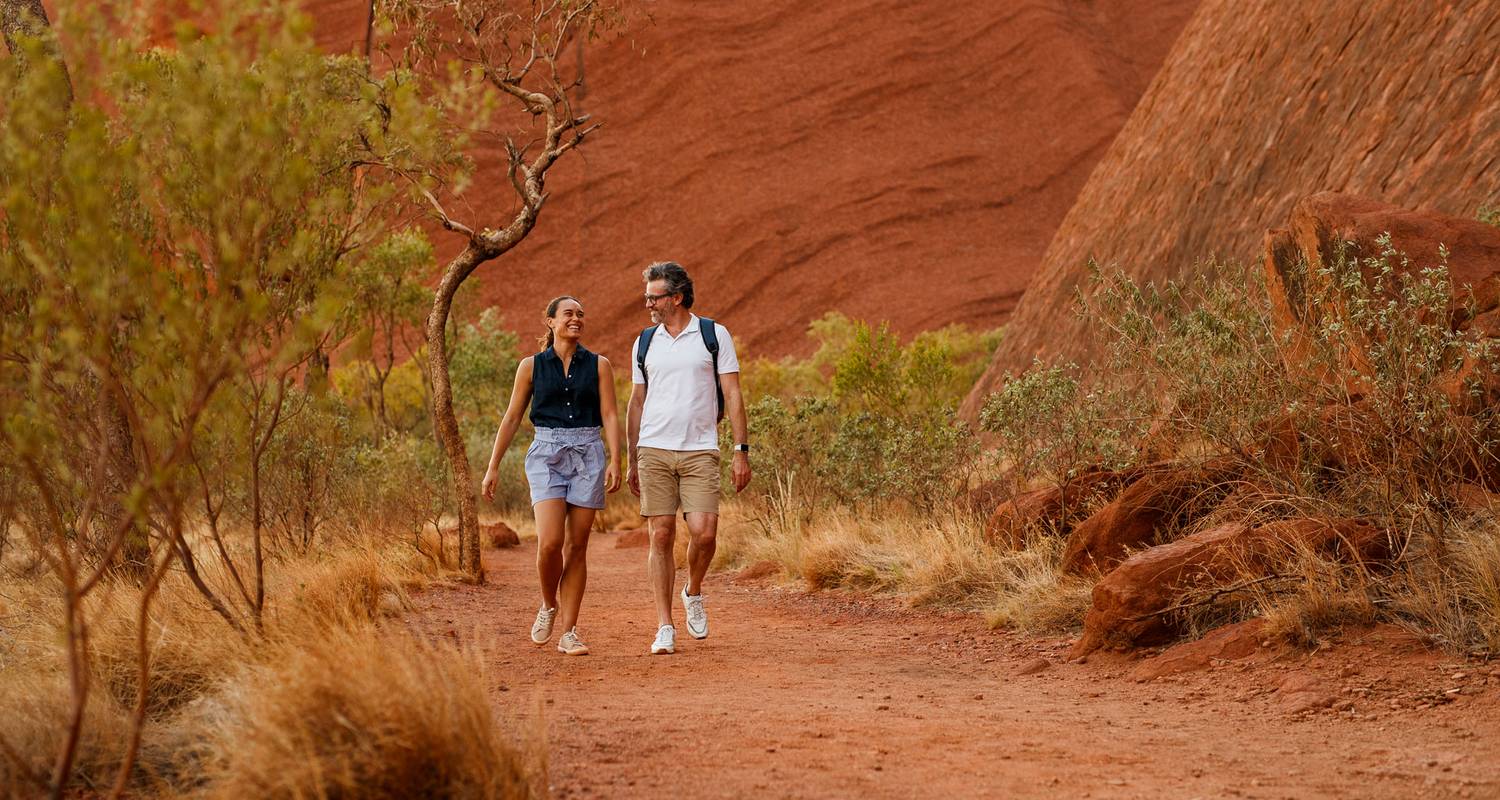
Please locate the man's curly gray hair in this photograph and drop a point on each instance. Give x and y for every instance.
(676, 277)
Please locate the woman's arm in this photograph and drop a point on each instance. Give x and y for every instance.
(520, 397)
(610, 414)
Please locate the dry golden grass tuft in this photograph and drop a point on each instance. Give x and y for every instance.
(929, 560)
(331, 700)
(1453, 595)
(361, 713)
(36, 699)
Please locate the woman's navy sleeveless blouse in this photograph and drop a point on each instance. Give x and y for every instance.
(568, 400)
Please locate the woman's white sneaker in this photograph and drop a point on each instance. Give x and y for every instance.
(570, 644)
(666, 641)
(697, 618)
(541, 630)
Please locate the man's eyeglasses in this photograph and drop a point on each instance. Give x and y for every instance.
(652, 298)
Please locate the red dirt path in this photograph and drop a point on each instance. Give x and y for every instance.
(823, 696)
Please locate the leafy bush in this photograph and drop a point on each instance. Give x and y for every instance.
(867, 419)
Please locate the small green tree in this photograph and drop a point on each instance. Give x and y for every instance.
(172, 242)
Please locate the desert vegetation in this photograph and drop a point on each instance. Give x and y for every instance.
(1355, 390)
(225, 461)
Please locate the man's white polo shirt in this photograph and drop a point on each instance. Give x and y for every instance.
(682, 409)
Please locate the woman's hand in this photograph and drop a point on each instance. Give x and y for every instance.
(612, 478)
(487, 487)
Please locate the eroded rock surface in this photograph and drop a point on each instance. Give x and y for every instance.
(1258, 105)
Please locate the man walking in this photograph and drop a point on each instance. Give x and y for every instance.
(686, 378)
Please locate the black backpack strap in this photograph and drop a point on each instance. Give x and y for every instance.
(711, 341)
(641, 346)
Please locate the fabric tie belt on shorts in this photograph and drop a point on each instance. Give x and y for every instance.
(570, 447)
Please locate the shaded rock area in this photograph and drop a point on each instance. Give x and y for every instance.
(1326, 226)
(632, 537)
(1258, 105)
(1132, 604)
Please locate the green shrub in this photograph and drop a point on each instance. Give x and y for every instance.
(867, 419)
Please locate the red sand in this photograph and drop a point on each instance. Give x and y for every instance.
(831, 696)
(886, 159)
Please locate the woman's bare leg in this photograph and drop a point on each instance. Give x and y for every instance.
(550, 516)
(575, 569)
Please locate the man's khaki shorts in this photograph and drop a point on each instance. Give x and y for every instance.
(678, 479)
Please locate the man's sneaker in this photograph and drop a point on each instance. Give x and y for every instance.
(541, 630)
(570, 644)
(697, 618)
(666, 641)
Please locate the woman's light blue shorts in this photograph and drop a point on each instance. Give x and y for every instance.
(567, 464)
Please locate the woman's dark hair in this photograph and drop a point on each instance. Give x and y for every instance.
(676, 277)
(546, 340)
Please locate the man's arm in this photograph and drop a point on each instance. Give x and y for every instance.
(633, 434)
(739, 424)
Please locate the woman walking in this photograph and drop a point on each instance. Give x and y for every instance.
(572, 396)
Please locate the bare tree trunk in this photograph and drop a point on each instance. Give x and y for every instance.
(445, 422)
(369, 32)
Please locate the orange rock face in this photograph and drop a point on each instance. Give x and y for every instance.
(1055, 507)
(1260, 104)
(900, 161)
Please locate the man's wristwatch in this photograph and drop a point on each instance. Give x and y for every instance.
(742, 447)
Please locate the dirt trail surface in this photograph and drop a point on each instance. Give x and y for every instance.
(798, 695)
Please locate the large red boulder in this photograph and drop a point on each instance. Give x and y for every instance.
(1131, 604)
(1160, 496)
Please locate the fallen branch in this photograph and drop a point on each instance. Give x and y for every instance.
(1216, 594)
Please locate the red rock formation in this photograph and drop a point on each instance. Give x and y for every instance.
(1226, 643)
(1129, 602)
(1257, 105)
(890, 160)
(499, 534)
(1058, 507)
(1324, 224)
(1163, 494)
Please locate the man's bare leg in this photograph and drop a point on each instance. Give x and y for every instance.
(703, 530)
(661, 566)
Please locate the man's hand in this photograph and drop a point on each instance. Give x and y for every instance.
(634, 479)
(740, 471)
